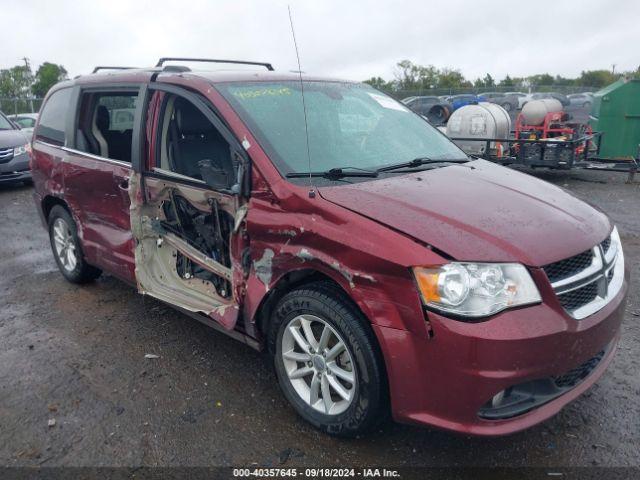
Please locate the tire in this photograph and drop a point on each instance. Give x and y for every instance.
(507, 106)
(70, 260)
(363, 403)
(437, 115)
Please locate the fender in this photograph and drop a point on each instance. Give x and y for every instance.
(388, 300)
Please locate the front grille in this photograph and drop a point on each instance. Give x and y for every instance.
(6, 155)
(576, 375)
(568, 267)
(579, 297)
(586, 282)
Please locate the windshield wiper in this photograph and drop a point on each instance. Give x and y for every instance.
(417, 162)
(335, 173)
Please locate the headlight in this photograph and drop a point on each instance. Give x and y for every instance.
(476, 289)
(21, 149)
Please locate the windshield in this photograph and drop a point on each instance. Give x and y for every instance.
(4, 123)
(350, 125)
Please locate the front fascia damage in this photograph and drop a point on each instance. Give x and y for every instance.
(158, 250)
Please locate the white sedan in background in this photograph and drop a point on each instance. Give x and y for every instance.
(26, 121)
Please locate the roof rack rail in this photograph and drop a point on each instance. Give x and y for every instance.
(268, 66)
(175, 68)
(104, 67)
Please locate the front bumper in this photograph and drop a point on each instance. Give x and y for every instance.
(445, 381)
(15, 170)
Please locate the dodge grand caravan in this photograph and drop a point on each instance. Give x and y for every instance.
(382, 269)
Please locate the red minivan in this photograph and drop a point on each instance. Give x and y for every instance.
(382, 269)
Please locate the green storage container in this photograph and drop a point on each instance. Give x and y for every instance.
(616, 113)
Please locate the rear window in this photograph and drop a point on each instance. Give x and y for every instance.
(53, 117)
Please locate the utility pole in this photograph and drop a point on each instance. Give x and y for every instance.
(613, 69)
(28, 70)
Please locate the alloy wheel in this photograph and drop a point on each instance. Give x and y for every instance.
(65, 245)
(318, 364)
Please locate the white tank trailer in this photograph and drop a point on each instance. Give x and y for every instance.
(484, 120)
(533, 112)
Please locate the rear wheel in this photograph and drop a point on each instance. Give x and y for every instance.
(507, 106)
(66, 247)
(327, 360)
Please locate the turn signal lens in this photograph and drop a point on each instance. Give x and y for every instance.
(428, 284)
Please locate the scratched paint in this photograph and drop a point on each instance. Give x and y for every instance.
(305, 255)
(264, 267)
(283, 232)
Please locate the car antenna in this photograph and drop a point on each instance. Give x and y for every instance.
(312, 192)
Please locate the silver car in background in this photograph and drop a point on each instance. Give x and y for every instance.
(15, 153)
(26, 121)
(581, 99)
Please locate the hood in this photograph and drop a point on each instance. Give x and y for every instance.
(479, 211)
(12, 138)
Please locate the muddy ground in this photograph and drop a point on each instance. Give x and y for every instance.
(76, 355)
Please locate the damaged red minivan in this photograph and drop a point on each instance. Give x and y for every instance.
(382, 269)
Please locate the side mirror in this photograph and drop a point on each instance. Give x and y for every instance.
(214, 176)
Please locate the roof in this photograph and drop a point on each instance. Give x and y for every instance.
(212, 76)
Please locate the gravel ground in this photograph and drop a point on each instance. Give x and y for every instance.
(76, 355)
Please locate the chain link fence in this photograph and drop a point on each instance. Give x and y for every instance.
(564, 89)
(12, 106)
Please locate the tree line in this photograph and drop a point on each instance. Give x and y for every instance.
(20, 81)
(411, 76)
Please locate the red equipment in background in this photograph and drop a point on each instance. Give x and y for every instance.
(556, 143)
(556, 125)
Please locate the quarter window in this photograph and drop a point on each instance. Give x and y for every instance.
(105, 125)
(53, 117)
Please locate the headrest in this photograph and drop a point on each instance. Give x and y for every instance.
(190, 119)
(102, 118)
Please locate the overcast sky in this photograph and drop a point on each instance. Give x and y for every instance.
(353, 39)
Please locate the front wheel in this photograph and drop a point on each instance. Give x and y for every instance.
(327, 360)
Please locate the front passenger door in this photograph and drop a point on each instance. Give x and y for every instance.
(188, 209)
